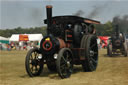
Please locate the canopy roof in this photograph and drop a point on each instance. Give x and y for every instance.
(73, 19)
(3, 38)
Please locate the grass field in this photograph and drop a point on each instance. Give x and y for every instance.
(110, 71)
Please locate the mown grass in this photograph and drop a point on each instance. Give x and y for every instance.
(110, 71)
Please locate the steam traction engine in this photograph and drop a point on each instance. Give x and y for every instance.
(70, 40)
(117, 43)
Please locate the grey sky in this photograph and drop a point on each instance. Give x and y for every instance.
(30, 13)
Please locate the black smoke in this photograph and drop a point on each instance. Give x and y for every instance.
(79, 13)
(97, 9)
(95, 12)
(122, 23)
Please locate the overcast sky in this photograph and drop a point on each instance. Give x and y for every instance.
(31, 13)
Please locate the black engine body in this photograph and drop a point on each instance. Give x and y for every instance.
(68, 28)
(117, 39)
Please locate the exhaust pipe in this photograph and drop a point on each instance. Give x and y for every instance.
(49, 17)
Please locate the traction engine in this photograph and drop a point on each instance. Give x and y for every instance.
(70, 40)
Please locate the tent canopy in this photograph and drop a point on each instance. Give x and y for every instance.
(31, 37)
(104, 37)
(3, 38)
(14, 37)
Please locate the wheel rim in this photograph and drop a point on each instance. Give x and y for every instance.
(125, 50)
(66, 64)
(93, 53)
(110, 50)
(34, 63)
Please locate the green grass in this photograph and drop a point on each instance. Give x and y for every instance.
(110, 71)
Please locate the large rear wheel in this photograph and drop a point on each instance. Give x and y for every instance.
(33, 64)
(64, 63)
(91, 53)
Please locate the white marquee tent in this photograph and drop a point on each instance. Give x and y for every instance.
(3, 38)
(31, 37)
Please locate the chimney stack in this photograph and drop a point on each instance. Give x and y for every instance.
(49, 17)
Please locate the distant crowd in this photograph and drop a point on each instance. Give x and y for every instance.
(18, 45)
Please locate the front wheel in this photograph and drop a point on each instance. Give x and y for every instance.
(33, 64)
(64, 63)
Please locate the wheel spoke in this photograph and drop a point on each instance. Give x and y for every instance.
(93, 60)
(62, 68)
(67, 56)
(63, 71)
(34, 66)
(70, 60)
(70, 70)
(64, 59)
(35, 53)
(93, 45)
(31, 68)
(92, 65)
(30, 61)
(31, 57)
(91, 53)
(36, 69)
(95, 52)
(63, 65)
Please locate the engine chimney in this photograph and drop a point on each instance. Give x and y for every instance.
(49, 17)
(117, 30)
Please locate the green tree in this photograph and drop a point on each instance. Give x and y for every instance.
(20, 30)
(104, 29)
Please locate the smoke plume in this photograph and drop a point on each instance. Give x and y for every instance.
(122, 22)
(97, 10)
(79, 13)
(94, 12)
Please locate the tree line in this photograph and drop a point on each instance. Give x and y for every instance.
(102, 30)
(108, 28)
(20, 30)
